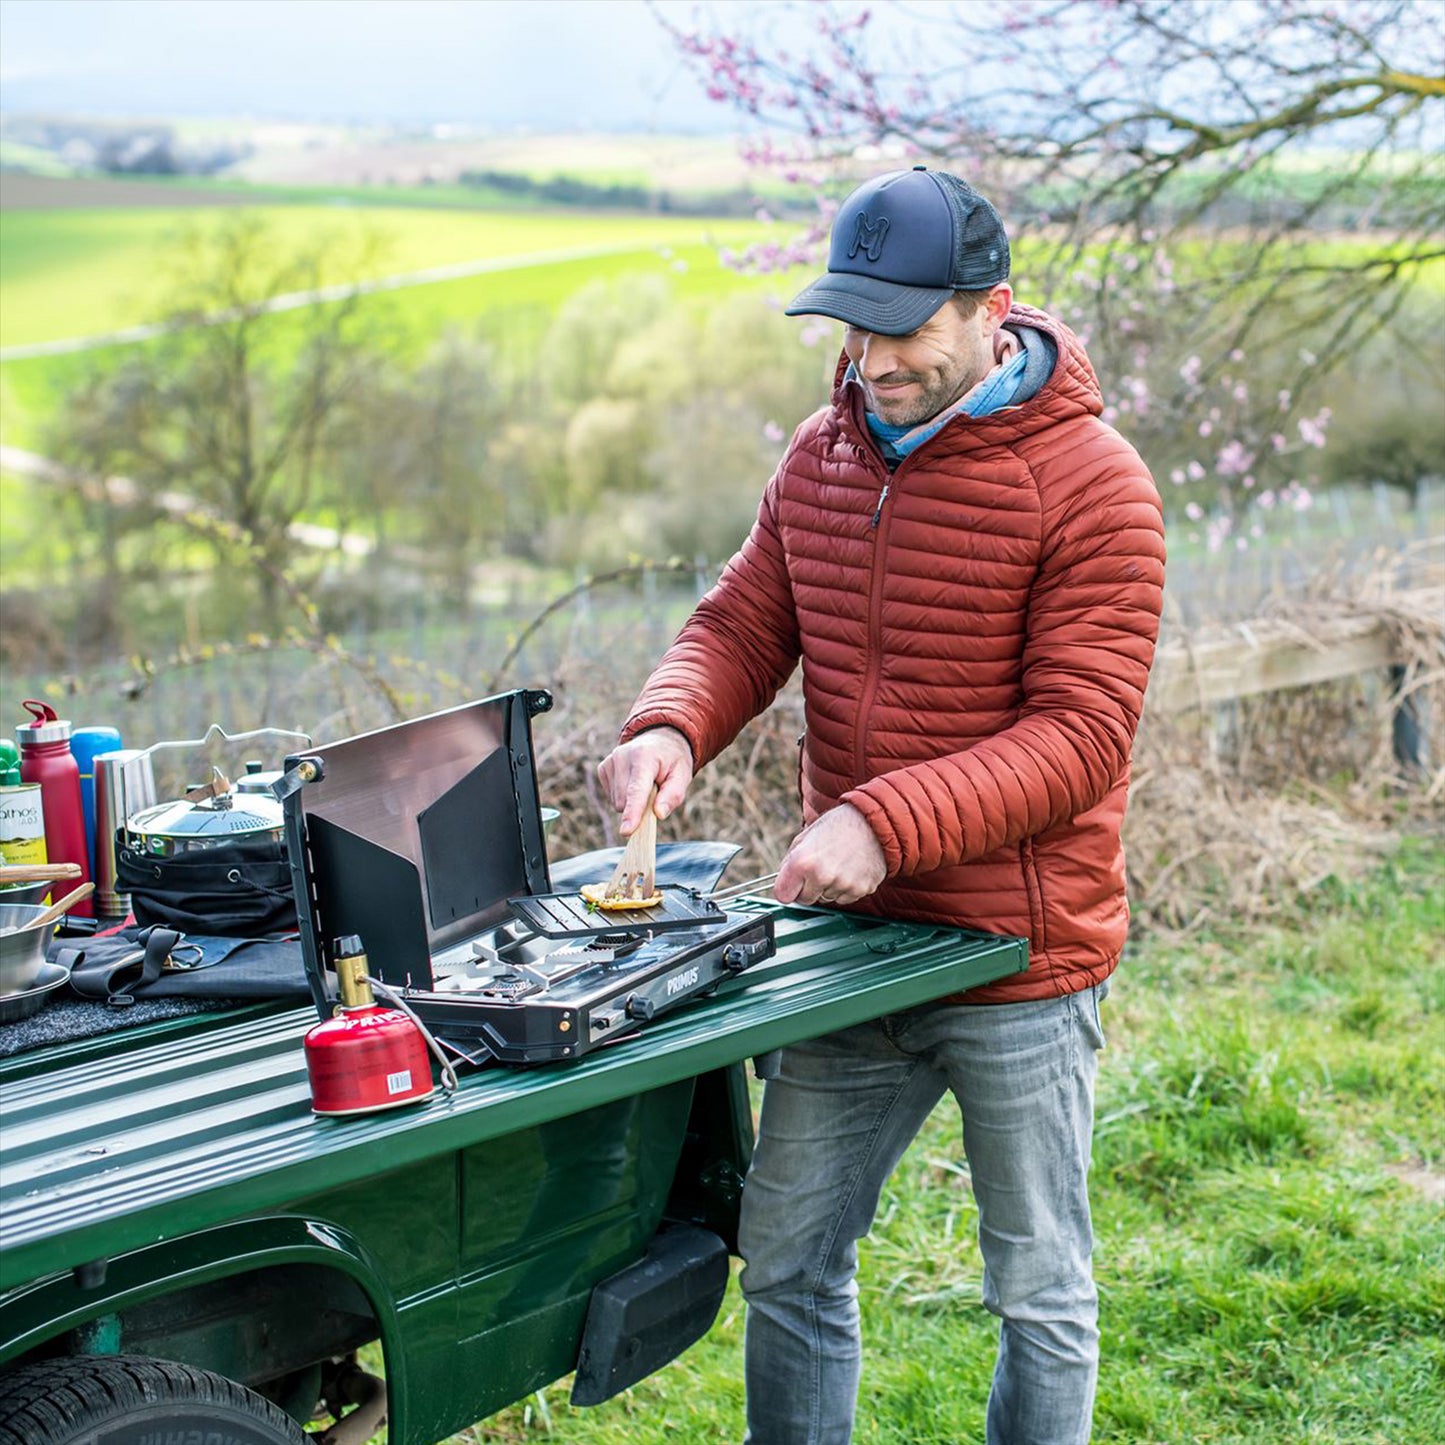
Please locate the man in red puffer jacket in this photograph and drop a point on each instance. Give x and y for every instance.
(968, 563)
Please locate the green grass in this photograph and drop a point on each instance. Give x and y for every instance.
(83, 272)
(1270, 1259)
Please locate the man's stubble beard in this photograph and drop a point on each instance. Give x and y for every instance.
(941, 394)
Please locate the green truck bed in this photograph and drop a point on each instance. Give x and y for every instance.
(133, 1163)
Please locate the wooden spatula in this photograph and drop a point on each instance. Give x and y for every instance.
(37, 872)
(634, 876)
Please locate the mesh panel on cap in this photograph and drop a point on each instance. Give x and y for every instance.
(977, 231)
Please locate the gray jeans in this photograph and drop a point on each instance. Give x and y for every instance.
(835, 1122)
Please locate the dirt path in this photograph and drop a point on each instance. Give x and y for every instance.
(294, 300)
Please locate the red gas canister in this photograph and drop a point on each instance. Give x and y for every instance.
(366, 1057)
(45, 758)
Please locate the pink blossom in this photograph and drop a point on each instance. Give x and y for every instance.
(772, 432)
(1216, 533)
(1234, 458)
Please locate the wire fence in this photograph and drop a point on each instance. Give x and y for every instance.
(600, 636)
(1347, 533)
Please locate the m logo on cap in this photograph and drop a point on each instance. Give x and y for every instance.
(868, 236)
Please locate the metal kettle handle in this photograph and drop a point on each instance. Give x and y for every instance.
(217, 731)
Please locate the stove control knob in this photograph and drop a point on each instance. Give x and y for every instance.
(738, 956)
(639, 1007)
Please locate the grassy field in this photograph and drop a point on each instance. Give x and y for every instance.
(1269, 1189)
(81, 272)
(88, 271)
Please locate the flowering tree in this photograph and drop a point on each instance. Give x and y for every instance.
(1231, 202)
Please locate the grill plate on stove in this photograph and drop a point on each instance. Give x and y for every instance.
(567, 915)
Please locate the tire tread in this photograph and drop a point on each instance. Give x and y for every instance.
(46, 1402)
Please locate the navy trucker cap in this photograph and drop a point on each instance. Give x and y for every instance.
(902, 244)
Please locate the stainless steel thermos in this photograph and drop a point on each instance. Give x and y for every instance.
(125, 784)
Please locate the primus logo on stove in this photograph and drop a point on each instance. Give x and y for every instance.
(680, 981)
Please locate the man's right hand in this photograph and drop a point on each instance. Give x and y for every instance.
(659, 755)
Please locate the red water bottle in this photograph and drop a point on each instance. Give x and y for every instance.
(45, 758)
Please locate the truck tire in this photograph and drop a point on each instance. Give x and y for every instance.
(132, 1400)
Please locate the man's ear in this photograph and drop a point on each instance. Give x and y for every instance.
(996, 307)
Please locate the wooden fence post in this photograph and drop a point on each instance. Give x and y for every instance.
(1408, 724)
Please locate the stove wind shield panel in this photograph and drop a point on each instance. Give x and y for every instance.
(415, 836)
(425, 840)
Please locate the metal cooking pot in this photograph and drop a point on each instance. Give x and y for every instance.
(169, 829)
(221, 814)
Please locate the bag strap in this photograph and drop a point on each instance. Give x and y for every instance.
(104, 979)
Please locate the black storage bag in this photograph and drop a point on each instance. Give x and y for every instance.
(154, 962)
(241, 887)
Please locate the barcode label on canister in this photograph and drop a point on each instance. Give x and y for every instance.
(399, 1082)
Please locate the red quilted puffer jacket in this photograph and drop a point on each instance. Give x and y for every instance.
(975, 643)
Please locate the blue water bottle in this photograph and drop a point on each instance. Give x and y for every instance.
(85, 745)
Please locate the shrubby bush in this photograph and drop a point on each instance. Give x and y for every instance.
(671, 419)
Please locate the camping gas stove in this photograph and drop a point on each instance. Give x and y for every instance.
(425, 840)
(525, 999)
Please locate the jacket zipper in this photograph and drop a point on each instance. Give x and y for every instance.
(875, 625)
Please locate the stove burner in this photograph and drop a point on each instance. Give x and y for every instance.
(530, 999)
(605, 947)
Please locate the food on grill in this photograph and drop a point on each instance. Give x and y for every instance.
(596, 895)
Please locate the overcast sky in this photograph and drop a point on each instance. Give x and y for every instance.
(538, 64)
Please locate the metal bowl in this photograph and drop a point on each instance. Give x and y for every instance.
(21, 954)
(29, 892)
(17, 1006)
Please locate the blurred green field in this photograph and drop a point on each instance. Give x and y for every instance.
(82, 272)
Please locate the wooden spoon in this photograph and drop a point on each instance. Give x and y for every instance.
(57, 909)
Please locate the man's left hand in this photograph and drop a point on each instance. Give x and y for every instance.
(835, 859)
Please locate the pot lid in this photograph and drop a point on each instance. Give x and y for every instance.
(222, 816)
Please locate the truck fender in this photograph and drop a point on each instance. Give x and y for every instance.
(53, 1306)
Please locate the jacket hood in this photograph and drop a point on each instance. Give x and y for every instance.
(1072, 390)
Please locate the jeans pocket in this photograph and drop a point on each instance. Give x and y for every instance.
(1088, 1014)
